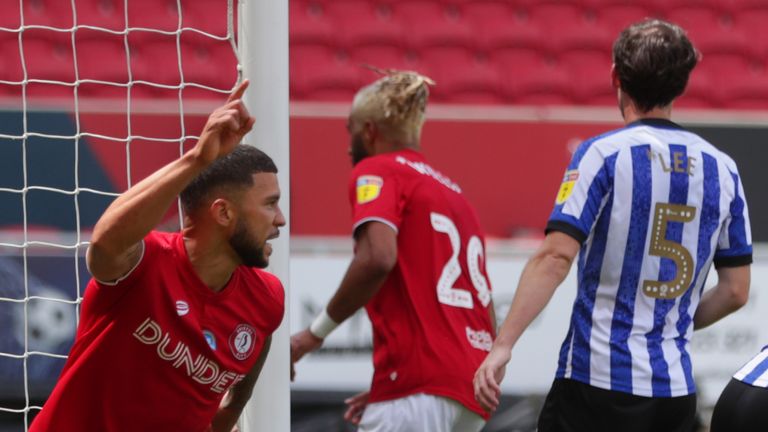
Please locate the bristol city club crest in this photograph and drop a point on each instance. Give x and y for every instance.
(242, 341)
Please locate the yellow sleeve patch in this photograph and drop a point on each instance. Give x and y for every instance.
(566, 187)
(368, 188)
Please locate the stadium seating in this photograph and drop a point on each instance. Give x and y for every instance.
(101, 56)
(462, 76)
(159, 14)
(320, 72)
(308, 23)
(109, 14)
(591, 69)
(476, 49)
(700, 92)
(359, 24)
(752, 21)
(52, 13)
(48, 55)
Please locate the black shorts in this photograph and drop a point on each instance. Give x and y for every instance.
(741, 407)
(572, 406)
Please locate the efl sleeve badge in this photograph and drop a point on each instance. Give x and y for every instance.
(566, 188)
(368, 188)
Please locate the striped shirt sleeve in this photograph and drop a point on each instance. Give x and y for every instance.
(586, 183)
(734, 246)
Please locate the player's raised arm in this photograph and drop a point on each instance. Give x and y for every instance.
(115, 244)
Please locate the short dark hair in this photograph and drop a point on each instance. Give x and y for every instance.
(234, 170)
(653, 61)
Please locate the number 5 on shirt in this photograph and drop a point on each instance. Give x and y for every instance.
(446, 293)
(660, 246)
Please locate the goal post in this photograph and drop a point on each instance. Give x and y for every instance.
(263, 50)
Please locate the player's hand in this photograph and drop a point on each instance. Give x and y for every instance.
(489, 376)
(302, 343)
(225, 128)
(355, 407)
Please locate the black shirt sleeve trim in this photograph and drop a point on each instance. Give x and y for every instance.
(566, 228)
(733, 261)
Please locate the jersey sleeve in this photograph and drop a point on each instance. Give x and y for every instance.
(277, 293)
(734, 246)
(579, 200)
(375, 194)
(100, 296)
(148, 246)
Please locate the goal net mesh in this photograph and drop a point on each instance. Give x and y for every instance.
(94, 96)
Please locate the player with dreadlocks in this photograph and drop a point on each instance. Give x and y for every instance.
(418, 268)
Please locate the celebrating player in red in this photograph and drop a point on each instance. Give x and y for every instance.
(418, 268)
(175, 328)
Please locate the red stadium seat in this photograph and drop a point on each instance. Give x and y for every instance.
(498, 24)
(590, 75)
(364, 23)
(730, 74)
(101, 56)
(208, 62)
(385, 57)
(700, 92)
(48, 55)
(10, 61)
(531, 77)
(319, 72)
(48, 91)
(754, 23)
(736, 5)
(722, 67)
(745, 85)
(751, 93)
(209, 16)
(154, 58)
(54, 13)
(432, 24)
(616, 17)
(109, 14)
(462, 76)
(11, 16)
(664, 6)
(711, 31)
(155, 14)
(570, 27)
(309, 23)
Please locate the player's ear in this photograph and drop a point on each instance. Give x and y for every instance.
(615, 78)
(222, 212)
(370, 133)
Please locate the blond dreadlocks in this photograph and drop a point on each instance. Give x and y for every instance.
(396, 103)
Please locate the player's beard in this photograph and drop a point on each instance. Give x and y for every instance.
(357, 150)
(251, 254)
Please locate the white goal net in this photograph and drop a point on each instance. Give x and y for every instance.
(94, 96)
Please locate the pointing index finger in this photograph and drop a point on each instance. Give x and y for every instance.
(239, 91)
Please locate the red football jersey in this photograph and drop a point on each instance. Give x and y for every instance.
(158, 350)
(431, 322)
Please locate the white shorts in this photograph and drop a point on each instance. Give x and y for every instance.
(419, 413)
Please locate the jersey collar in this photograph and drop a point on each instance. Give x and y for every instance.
(194, 281)
(656, 122)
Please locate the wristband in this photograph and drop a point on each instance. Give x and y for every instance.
(323, 325)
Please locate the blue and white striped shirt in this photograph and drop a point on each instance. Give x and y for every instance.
(755, 372)
(653, 206)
